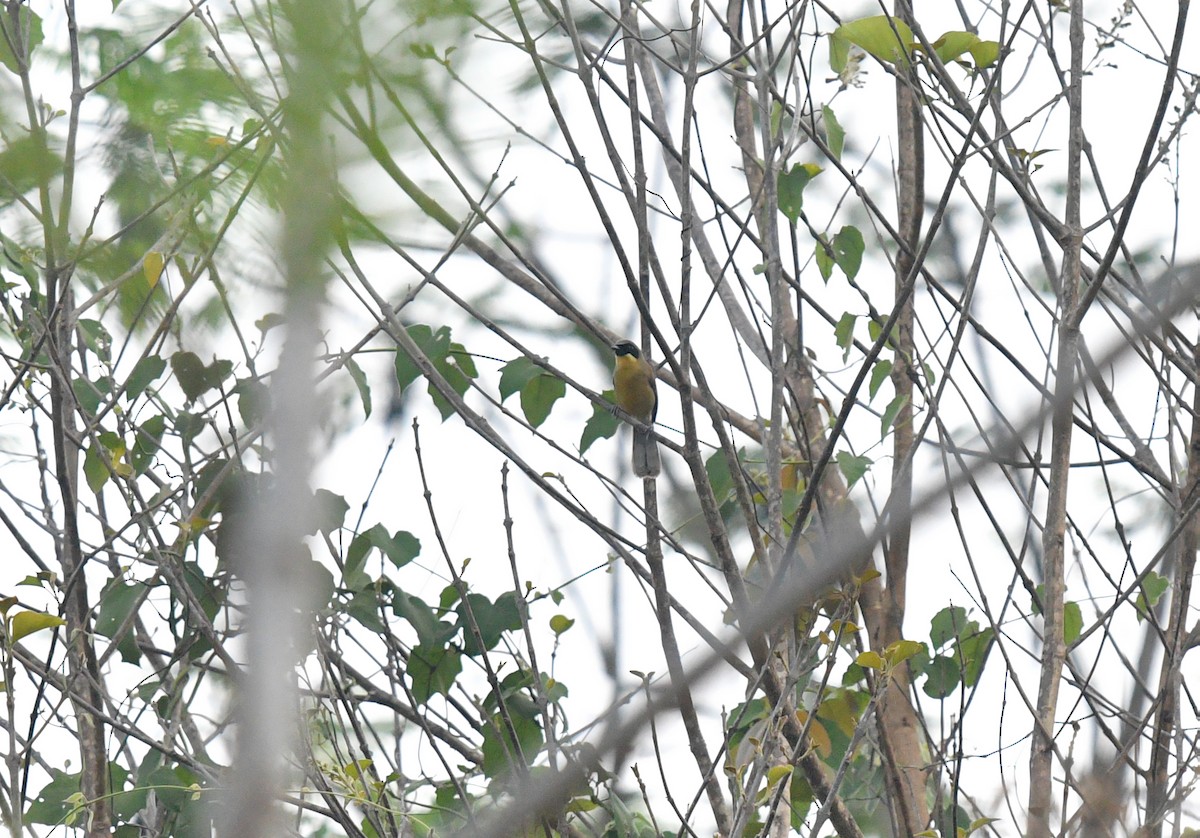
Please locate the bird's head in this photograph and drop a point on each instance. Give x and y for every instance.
(626, 347)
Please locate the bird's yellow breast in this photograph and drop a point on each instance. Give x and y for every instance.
(633, 383)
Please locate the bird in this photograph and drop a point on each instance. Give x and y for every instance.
(633, 386)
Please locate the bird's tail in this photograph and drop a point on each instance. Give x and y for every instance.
(646, 462)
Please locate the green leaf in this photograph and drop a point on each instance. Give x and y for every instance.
(492, 620)
(890, 414)
(144, 373)
(47, 579)
(887, 38)
(188, 426)
(516, 374)
(204, 589)
(26, 162)
(430, 630)
(972, 652)
(953, 44)
(116, 603)
(95, 467)
(500, 752)
(843, 333)
(403, 549)
(448, 597)
(318, 585)
(601, 425)
(463, 360)
(146, 442)
(879, 374)
(216, 372)
(823, 254)
(555, 690)
(268, 322)
(458, 368)
(254, 401)
(91, 394)
(194, 377)
(24, 623)
(560, 624)
(364, 608)
(717, 467)
(839, 53)
(50, 805)
(791, 188)
(742, 719)
(331, 511)
(353, 575)
(360, 382)
(162, 780)
(539, 395)
(848, 249)
(432, 669)
(435, 346)
(852, 467)
(835, 134)
(400, 548)
(942, 677)
(96, 338)
(853, 675)
(800, 797)
(515, 684)
(1153, 587)
(1072, 622)
(918, 664)
(189, 372)
(1036, 604)
(949, 624)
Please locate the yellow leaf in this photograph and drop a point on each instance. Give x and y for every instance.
(867, 576)
(192, 525)
(887, 38)
(78, 803)
(820, 739)
(901, 651)
(152, 267)
(776, 773)
(116, 461)
(217, 142)
(25, 623)
(869, 660)
(985, 53)
(817, 734)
